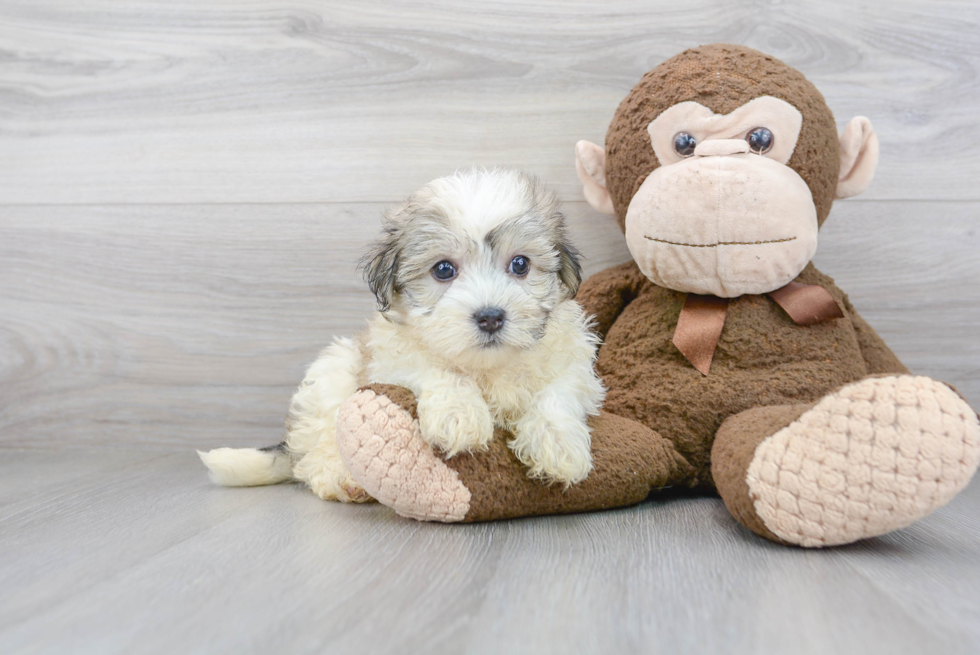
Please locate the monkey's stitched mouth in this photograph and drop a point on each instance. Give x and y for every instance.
(720, 243)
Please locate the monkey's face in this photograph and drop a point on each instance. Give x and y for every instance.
(722, 214)
(722, 162)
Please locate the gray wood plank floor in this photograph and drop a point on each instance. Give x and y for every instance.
(127, 551)
(184, 190)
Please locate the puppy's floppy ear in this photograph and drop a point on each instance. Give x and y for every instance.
(380, 265)
(569, 259)
(570, 266)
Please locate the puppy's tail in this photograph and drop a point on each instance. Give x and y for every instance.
(248, 467)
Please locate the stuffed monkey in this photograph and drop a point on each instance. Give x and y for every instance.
(732, 364)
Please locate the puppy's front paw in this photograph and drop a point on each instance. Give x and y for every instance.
(457, 425)
(554, 448)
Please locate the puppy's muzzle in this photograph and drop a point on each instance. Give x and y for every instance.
(489, 319)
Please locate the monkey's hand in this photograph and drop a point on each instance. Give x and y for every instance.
(455, 419)
(555, 445)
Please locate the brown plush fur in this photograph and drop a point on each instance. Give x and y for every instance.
(722, 78)
(763, 358)
(629, 461)
(734, 449)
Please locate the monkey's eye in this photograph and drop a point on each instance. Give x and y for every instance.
(684, 144)
(519, 266)
(444, 271)
(760, 140)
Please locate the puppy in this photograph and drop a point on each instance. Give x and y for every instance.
(474, 278)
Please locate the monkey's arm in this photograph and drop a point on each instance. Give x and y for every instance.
(606, 294)
(878, 357)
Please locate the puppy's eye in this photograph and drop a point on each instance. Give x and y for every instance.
(444, 271)
(519, 266)
(684, 144)
(760, 140)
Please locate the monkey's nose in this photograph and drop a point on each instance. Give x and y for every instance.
(489, 319)
(719, 147)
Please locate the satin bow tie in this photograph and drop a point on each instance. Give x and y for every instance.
(702, 318)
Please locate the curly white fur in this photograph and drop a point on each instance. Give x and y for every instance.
(534, 376)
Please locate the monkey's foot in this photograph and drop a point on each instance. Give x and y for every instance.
(873, 457)
(382, 447)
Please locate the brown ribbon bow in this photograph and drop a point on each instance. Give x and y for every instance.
(703, 317)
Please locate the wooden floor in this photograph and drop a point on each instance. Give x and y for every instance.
(130, 551)
(184, 190)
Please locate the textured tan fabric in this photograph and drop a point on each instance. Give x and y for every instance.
(398, 395)
(380, 440)
(871, 458)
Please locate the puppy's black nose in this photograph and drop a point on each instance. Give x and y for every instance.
(490, 319)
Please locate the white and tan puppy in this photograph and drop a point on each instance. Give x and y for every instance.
(474, 278)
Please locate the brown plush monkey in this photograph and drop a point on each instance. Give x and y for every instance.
(732, 363)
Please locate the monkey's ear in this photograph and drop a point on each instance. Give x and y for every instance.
(858, 157)
(590, 163)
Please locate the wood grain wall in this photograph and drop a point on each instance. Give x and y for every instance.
(185, 186)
